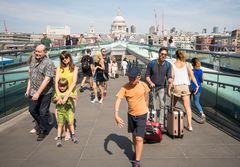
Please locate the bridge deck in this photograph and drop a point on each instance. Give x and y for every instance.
(102, 143)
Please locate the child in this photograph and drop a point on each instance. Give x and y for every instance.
(135, 92)
(114, 68)
(198, 73)
(64, 112)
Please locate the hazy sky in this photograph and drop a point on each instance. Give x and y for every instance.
(187, 15)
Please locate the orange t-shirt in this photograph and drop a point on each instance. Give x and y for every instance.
(135, 97)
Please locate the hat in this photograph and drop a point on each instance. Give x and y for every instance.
(134, 72)
(44, 33)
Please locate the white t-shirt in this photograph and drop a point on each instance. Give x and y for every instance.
(124, 64)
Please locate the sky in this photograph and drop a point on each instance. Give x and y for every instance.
(33, 16)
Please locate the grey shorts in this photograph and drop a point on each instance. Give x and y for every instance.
(137, 124)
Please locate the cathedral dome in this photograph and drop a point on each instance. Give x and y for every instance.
(118, 27)
(118, 19)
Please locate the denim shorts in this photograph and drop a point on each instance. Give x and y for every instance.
(137, 124)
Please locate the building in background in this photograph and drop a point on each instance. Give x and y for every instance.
(152, 30)
(215, 30)
(9, 41)
(118, 27)
(58, 30)
(204, 31)
(133, 29)
(236, 40)
(203, 42)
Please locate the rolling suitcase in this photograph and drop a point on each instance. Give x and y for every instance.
(153, 131)
(175, 121)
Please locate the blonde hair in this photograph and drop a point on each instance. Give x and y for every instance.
(180, 55)
(98, 56)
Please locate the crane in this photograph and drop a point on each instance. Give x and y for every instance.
(156, 23)
(5, 26)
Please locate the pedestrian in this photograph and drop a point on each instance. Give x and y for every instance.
(46, 41)
(114, 68)
(87, 69)
(64, 110)
(124, 65)
(198, 73)
(40, 88)
(158, 76)
(107, 70)
(136, 94)
(68, 70)
(98, 78)
(182, 74)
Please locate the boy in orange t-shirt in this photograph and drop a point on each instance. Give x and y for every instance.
(136, 94)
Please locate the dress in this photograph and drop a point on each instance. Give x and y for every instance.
(66, 73)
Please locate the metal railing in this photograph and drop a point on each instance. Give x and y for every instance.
(221, 90)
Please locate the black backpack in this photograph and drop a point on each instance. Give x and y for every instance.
(86, 63)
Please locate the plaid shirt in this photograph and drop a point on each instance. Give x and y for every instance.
(39, 69)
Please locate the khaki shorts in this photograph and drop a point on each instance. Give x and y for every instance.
(181, 90)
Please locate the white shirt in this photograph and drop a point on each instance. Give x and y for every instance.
(181, 76)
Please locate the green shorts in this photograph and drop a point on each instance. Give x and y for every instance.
(65, 116)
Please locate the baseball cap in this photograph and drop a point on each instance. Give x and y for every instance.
(134, 72)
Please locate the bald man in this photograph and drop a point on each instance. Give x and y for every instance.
(40, 88)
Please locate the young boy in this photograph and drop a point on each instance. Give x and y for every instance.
(64, 112)
(136, 94)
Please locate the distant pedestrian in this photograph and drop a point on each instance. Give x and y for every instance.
(41, 72)
(136, 94)
(124, 65)
(46, 41)
(150, 44)
(165, 42)
(98, 78)
(87, 69)
(64, 110)
(68, 42)
(198, 73)
(114, 68)
(107, 70)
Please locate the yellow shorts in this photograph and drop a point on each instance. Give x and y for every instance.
(65, 116)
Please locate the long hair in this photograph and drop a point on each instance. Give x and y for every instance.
(71, 64)
(98, 56)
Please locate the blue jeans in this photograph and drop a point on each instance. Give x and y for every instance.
(39, 110)
(197, 104)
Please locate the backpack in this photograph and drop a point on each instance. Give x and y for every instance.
(86, 63)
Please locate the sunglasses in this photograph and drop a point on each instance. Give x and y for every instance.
(64, 58)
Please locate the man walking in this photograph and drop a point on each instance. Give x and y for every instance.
(157, 74)
(40, 88)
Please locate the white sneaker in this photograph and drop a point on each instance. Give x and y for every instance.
(94, 100)
(100, 101)
(33, 131)
(203, 117)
